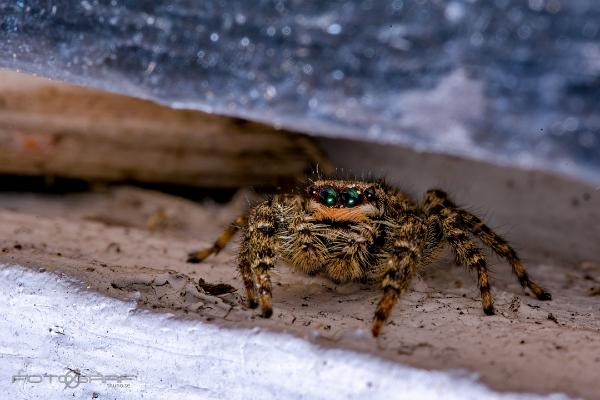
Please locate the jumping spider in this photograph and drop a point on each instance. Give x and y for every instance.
(357, 231)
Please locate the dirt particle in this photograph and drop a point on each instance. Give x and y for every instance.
(113, 247)
(515, 304)
(575, 202)
(215, 289)
(408, 350)
(18, 246)
(552, 318)
(594, 291)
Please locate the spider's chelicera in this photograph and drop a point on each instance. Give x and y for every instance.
(357, 231)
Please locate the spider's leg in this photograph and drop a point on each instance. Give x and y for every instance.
(504, 250)
(495, 242)
(219, 244)
(405, 251)
(458, 236)
(257, 256)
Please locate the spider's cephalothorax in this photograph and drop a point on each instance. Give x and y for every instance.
(356, 231)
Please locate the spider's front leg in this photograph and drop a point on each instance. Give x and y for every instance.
(405, 252)
(258, 252)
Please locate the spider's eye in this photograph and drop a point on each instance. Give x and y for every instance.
(350, 197)
(370, 194)
(328, 196)
(312, 190)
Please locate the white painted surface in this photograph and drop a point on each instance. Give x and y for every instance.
(49, 324)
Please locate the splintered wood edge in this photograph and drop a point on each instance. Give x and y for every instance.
(53, 128)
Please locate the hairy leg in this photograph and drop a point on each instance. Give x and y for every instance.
(492, 240)
(458, 236)
(406, 249)
(504, 250)
(257, 256)
(247, 275)
(219, 244)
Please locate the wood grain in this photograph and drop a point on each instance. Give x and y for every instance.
(52, 128)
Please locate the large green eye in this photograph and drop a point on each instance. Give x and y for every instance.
(350, 197)
(328, 196)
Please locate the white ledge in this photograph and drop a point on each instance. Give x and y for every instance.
(54, 326)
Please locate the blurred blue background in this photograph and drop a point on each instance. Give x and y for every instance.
(508, 81)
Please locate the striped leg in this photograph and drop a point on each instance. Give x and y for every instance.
(406, 251)
(224, 238)
(503, 249)
(247, 276)
(491, 239)
(467, 253)
(458, 236)
(257, 256)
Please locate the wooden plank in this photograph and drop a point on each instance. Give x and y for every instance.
(52, 128)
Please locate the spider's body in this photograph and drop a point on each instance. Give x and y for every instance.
(344, 243)
(357, 231)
